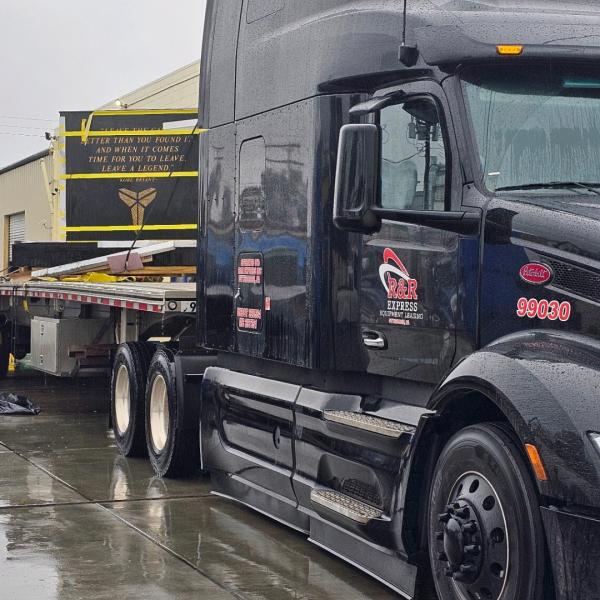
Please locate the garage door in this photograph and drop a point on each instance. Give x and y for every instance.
(16, 231)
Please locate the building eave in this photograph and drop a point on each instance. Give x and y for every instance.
(25, 161)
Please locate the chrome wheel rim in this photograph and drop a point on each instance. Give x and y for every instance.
(122, 400)
(159, 414)
(475, 518)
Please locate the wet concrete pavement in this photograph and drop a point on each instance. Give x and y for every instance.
(79, 521)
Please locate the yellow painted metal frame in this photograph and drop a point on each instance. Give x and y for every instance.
(129, 133)
(180, 227)
(145, 111)
(136, 175)
(86, 124)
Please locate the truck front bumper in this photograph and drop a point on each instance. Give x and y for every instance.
(574, 548)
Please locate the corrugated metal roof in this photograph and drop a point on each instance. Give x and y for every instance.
(25, 161)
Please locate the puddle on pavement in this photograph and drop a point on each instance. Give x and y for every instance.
(79, 551)
(74, 552)
(250, 554)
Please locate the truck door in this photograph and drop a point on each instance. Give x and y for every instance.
(250, 212)
(409, 282)
(350, 450)
(256, 422)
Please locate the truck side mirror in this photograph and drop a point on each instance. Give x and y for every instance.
(357, 179)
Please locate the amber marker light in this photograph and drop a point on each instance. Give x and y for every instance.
(536, 462)
(510, 49)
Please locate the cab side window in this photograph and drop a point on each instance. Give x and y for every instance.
(251, 198)
(413, 157)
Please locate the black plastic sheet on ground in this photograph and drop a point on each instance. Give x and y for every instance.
(11, 404)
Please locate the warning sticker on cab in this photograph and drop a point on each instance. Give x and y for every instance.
(250, 299)
(249, 318)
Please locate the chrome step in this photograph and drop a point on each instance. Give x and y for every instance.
(368, 423)
(344, 505)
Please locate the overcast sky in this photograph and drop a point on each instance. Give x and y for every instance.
(79, 54)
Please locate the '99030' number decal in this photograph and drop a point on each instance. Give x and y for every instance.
(544, 309)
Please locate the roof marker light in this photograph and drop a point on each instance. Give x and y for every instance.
(510, 49)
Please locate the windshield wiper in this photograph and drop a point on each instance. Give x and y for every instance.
(556, 185)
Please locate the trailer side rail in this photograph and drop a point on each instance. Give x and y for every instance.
(159, 298)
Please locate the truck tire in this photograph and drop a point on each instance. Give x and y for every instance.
(172, 447)
(4, 351)
(128, 390)
(485, 531)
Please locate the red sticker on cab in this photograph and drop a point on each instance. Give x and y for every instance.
(553, 310)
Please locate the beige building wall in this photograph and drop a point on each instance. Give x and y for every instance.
(179, 89)
(26, 187)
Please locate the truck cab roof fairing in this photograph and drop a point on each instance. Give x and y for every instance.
(293, 52)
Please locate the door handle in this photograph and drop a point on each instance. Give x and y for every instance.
(374, 339)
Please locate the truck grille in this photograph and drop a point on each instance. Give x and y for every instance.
(576, 280)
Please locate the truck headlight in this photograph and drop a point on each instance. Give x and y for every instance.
(595, 438)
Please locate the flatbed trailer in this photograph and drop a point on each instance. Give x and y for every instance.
(94, 319)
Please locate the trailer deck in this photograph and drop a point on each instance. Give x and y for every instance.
(146, 297)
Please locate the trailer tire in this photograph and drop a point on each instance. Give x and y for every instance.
(4, 350)
(172, 446)
(128, 390)
(485, 532)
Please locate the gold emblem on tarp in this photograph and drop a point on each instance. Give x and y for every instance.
(138, 202)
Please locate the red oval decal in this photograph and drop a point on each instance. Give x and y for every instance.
(536, 273)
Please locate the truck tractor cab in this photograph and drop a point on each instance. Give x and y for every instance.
(398, 292)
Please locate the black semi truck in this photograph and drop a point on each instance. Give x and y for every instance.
(397, 343)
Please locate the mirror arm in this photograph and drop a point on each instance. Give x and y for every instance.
(368, 223)
(375, 104)
(467, 223)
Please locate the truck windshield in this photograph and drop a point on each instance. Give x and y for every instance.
(536, 127)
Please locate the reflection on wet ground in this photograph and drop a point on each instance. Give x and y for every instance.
(79, 521)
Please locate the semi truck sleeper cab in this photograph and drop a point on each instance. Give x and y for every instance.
(397, 341)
